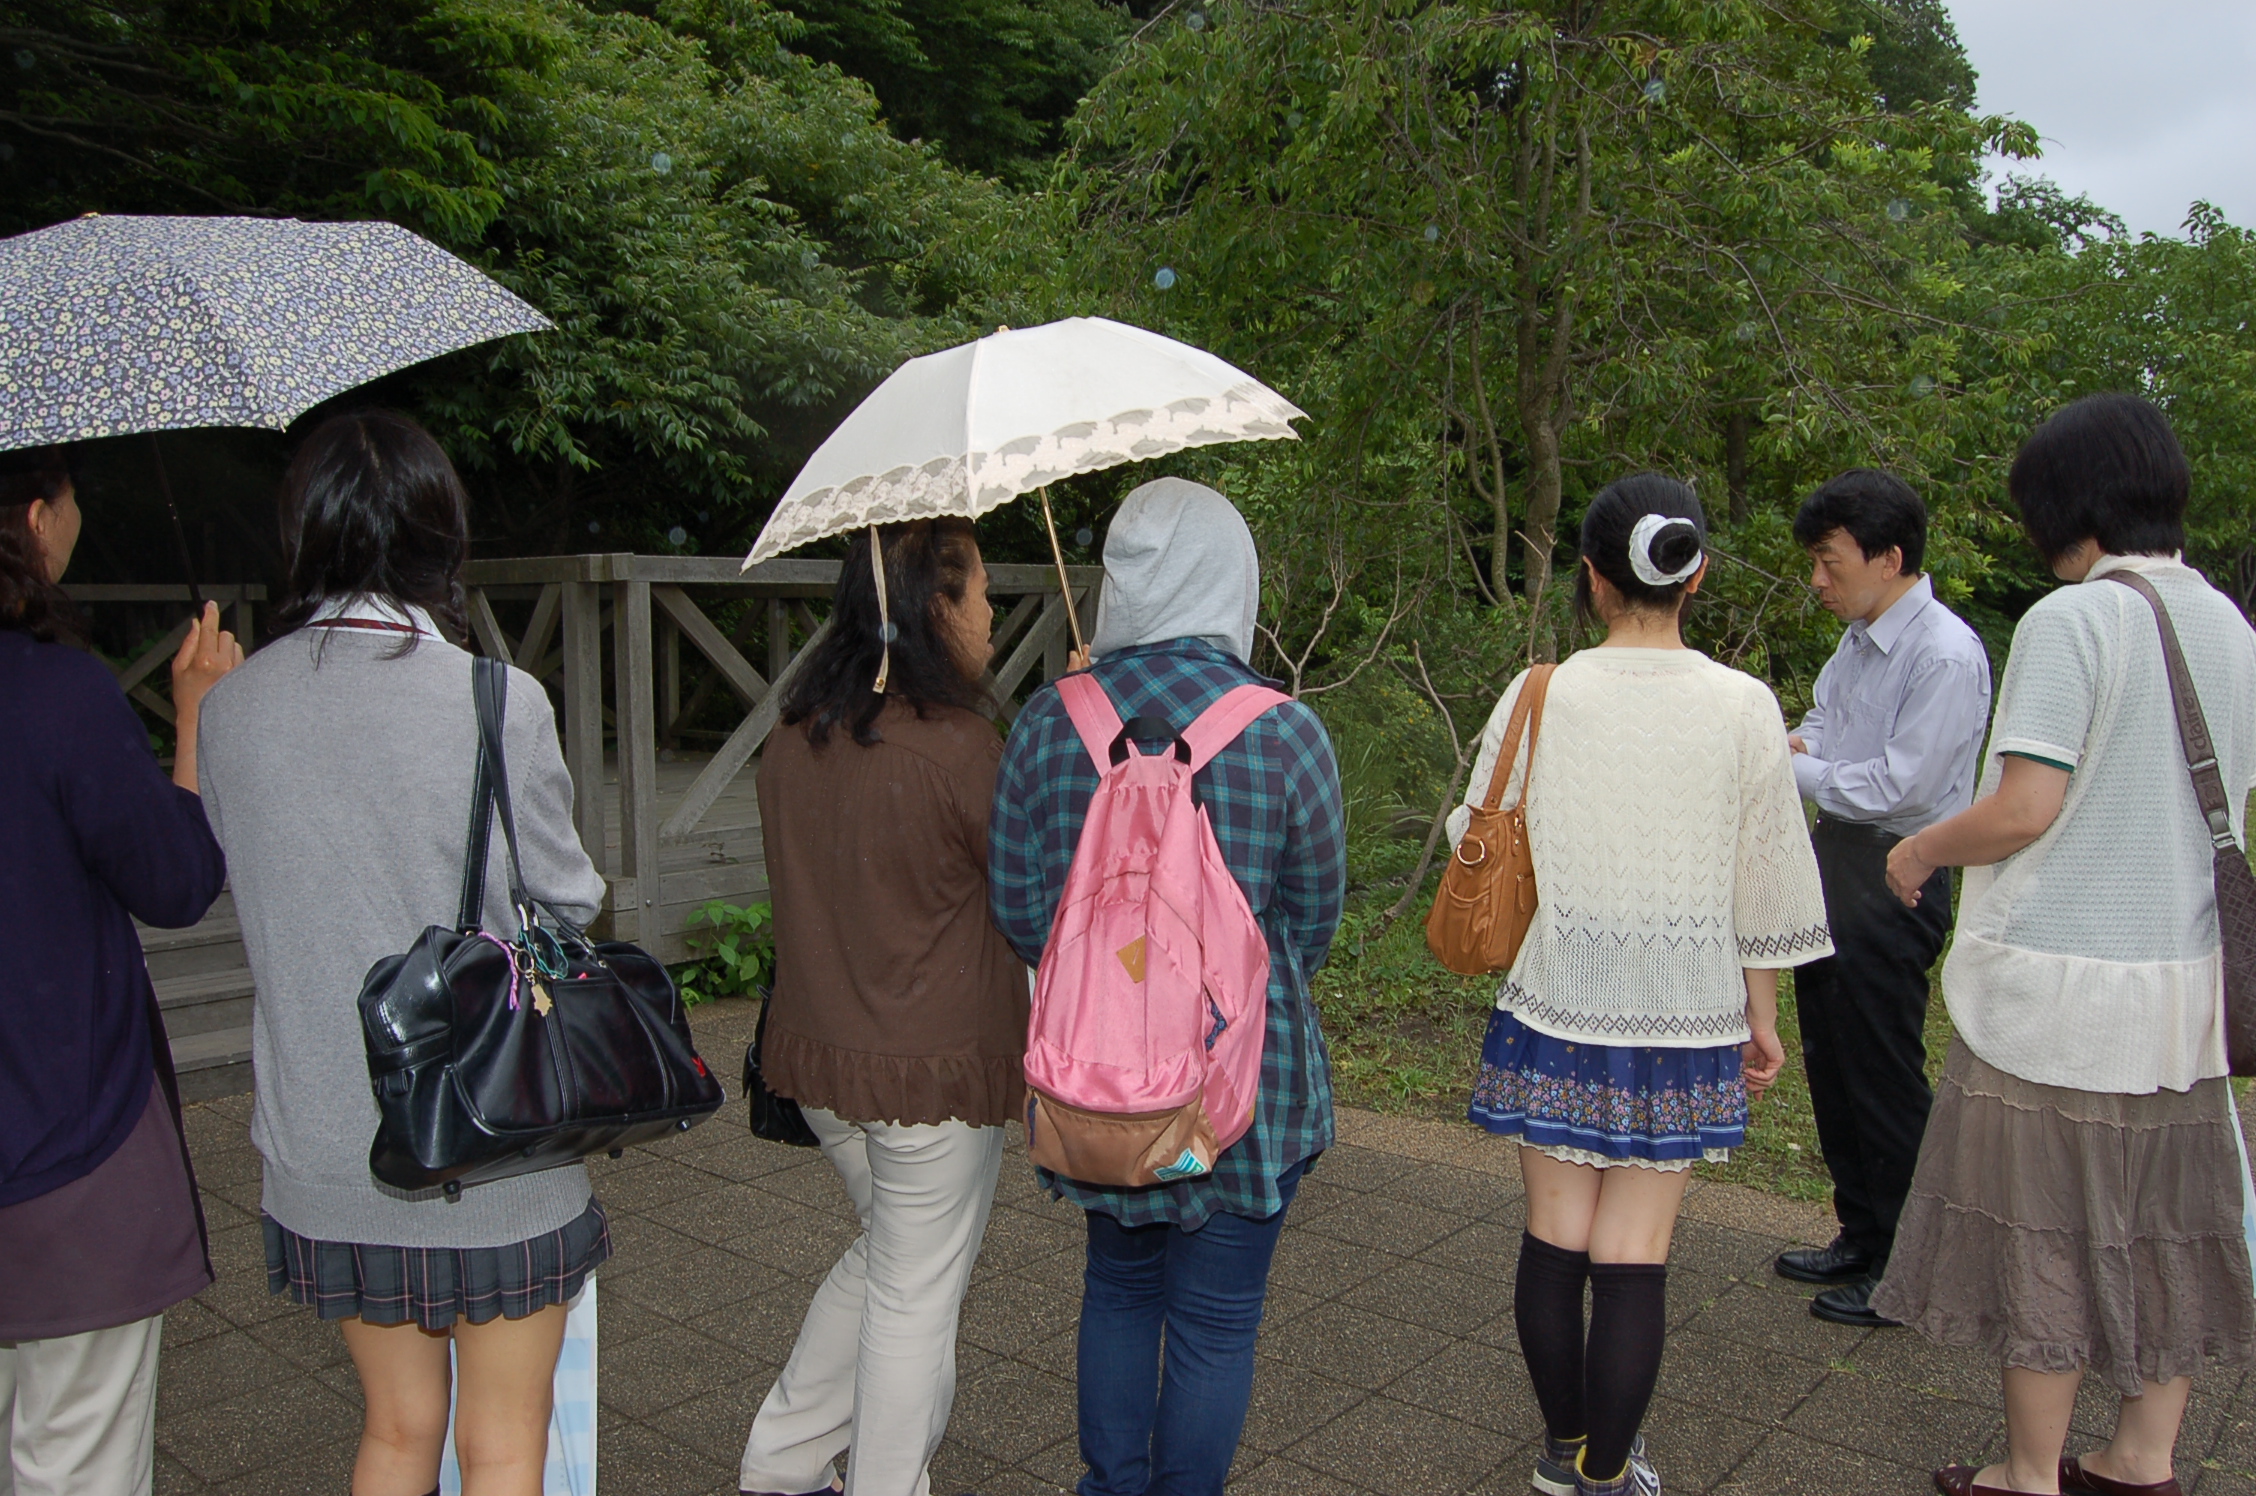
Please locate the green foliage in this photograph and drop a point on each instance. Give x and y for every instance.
(734, 946)
(991, 81)
(730, 240)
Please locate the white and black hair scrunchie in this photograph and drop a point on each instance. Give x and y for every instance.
(1641, 538)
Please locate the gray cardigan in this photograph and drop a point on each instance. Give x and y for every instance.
(338, 782)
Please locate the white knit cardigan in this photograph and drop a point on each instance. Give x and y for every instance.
(1670, 850)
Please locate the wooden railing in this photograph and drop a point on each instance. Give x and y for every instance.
(134, 673)
(548, 615)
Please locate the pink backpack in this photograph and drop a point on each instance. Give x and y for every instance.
(1143, 1051)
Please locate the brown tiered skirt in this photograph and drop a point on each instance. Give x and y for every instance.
(2060, 1230)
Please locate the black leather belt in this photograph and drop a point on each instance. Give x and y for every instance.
(1857, 832)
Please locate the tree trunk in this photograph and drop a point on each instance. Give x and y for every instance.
(1544, 482)
(1735, 462)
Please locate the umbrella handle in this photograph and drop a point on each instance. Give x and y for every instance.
(1065, 588)
(884, 614)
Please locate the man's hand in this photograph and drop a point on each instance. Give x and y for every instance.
(1794, 744)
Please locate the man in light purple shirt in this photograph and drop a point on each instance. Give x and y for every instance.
(1891, 744)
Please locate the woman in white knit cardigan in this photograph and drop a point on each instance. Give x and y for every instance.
(1674, 877)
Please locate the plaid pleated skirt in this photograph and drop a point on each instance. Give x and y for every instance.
(435, 1286)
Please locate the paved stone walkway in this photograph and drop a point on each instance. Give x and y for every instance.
(1388, 1364)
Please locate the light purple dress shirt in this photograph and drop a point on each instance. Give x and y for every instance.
(1895, 734)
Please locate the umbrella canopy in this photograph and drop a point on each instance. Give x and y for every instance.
(971, 428)
(110, 325)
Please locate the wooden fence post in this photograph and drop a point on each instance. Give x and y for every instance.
(637, 739)
(583, 711)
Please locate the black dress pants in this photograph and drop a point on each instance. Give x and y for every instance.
(1864, 1022)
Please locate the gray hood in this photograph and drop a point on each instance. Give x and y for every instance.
(1179, 563)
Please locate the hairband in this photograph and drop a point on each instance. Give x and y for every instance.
(1641, 541)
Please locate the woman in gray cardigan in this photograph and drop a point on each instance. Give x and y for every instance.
(336, 768)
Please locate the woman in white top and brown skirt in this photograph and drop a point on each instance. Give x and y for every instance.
(1674, 877)
(2077, 1204)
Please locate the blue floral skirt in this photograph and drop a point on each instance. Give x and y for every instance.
(1609, 1104)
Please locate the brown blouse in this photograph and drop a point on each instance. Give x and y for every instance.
(896, 1000)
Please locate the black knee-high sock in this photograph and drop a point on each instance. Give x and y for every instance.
(1628, 1313)
(1547, 1306)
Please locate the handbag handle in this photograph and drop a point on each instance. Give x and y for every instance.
(2193, 726)
(489, 794)
(1527, 715)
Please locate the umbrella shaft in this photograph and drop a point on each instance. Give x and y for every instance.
(1065, 588)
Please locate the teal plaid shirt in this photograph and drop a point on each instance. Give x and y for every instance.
(1274, 799)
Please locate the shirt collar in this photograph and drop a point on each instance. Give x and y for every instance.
(1885, 630)
(1190, 648)
(378, 610)
(2175, 561)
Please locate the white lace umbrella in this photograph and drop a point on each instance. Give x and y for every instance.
(970, 428)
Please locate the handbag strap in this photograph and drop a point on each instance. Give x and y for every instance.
(489, 794)
(1527, 716)
(2193, 727)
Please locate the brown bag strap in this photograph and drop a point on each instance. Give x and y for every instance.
(1527, 715)
(2193, 727)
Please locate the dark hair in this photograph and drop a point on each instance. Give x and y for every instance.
(2106, 468)
(926, 560)
(372, 508)
(1606, 528)
(1878, 510)
(30, 599)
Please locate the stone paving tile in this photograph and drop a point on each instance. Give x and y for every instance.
(1388, 1364)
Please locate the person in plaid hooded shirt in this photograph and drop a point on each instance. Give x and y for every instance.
(1174, 628)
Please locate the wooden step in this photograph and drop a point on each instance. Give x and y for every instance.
(214, 1063)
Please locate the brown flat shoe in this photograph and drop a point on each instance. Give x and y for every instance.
(2075, 1480)
(1958, 1480)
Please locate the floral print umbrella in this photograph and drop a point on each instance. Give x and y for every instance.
(117, 324)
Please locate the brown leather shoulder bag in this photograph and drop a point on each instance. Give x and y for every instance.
(1487, 897)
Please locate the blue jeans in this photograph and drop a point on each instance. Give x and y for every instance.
(1144, 1434)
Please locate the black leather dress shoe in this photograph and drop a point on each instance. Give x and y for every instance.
(1838, 1263)
(1851, 1304)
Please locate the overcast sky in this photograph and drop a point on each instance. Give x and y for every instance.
(2143, 104)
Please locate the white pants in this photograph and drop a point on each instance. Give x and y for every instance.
(78, 1414)
(874, 1370)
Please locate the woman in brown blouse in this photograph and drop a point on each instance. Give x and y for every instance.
(899, 1014)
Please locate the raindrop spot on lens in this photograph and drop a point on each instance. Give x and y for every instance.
(1294, 120)
(595, 527)
(1165, 279)
(1922, 384)
(1747, 332)
(1433, 232)
(704, 515)
(661, 163)
(1655, 90)
(889, 631)
(26, 58)
(1899, 209)
(7, 151)
(1196, 20)
(808, 259)
(677, 536)
(1083, 536)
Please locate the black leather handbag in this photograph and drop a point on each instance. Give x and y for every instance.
(776, 1118)
(492, 1056)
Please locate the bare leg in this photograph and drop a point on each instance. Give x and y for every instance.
(1562, 1199)
(2146, 1435)
(508, 1370)
(1636, 1218)
(403, 1380)
(2038, 1405)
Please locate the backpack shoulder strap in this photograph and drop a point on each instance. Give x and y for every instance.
(1093, 714)
(1233, 712)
